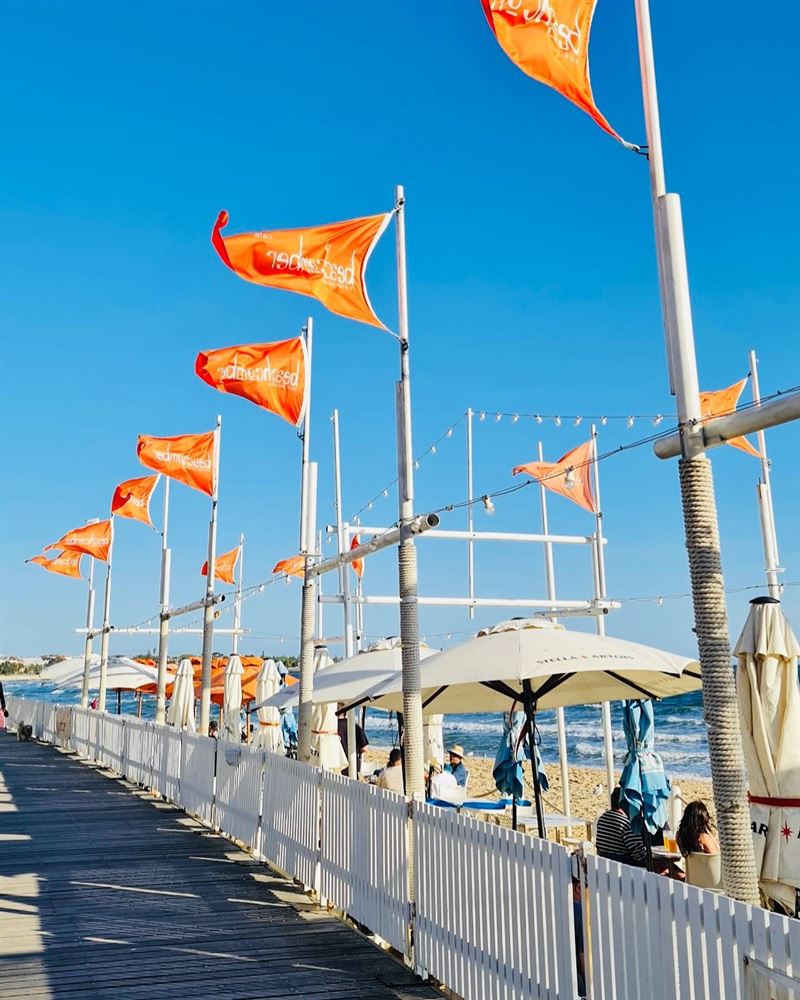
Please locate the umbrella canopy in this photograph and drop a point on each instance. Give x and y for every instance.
(326, 747)
(769, 709)
(554, 667)
(432, 737)
(512, 751)
(181, 706)
(232, 703)
(268, 735)
(122, 674)
(56, 672)
(645, 786)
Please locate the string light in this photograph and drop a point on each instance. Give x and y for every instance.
(538, 419)
(558, 421)
(488, 506)
(569, 479)
(657, 420)
(482, 415)
(578, 421)
(449, 432)
(433, 449)
(604, 421)
(630, 421)
(386, 493)
(515, 418)
(497, 417)
(660, 602)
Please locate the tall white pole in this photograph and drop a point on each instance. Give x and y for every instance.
(308, 599)
(101, 696)
(406, 552)
(728, 773)
(237, 601)
(208, 610)
(87, 653)
(766, 511)
(550, 574)
(163, 623)
(470, 518)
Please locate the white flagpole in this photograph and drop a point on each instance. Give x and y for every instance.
(308, 600)
(208, 610)
(237, 601)
(163, 625)
(101, 697)
(766, 511)
(406, 552)
(550, 573)
(470, 519)
(87, 655)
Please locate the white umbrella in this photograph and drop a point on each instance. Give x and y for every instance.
(181, 705)
(326, 747)
(56, 672)
(268, 735)
(122, 673)
(432, 737)
(232, 700)
(769, 709)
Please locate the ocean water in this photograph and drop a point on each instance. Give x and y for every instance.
(680, 730)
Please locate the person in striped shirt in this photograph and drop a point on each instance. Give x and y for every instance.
(614, 838)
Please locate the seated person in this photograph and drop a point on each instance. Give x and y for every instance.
(695, 833)
(614, 838)
(439, 781)
(457, 769)
(391, 776)
(289, 731)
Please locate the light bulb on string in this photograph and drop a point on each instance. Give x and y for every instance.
(657, 420)
(449, 432)
(482, 415)
(660, 602)
(538, 419)
(604, 421)
(488, 506)
(416, 465)
(433, 449)
(629, 421)
(497, 417)
(558, 421)
(578, 421)
(369, 505)
(569, 479)
(515, 418)
(261, 588)
(386, 493)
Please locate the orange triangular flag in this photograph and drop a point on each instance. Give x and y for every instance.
(357, 564)
(224, 566)
(328, 263)
(570, 476)
(719, 404)
(188, 458)
(293, 566)
(132, 499)
(93, 539)
(67, 563)
(272, 376)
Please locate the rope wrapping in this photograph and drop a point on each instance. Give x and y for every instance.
(409, 634)
(306, 687)
(720, 709)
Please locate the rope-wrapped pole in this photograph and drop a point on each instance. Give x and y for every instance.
(306, 686)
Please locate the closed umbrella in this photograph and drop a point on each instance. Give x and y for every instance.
(327, 751)
(644, 783)
(512, 751)
(769, 710)
(232, 701)
(268, 735)
(432, 737)
(181, 705)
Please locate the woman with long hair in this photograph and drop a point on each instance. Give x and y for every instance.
(695, 833)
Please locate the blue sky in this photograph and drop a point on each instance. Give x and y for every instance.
(532, 286)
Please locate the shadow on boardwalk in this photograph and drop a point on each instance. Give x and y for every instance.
(106, 892)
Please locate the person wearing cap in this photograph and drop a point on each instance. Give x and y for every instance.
(457, 769)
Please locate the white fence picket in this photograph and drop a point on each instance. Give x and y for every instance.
(167, 752)
(364, 855)
(240, 771)
(80, 731)
(290, 817)
(198, 759)
(63, 734)
(138, 752)
(111, 740)
(48, 716)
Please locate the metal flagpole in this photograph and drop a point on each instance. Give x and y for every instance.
(308, 600)
(550, 574)
(766, 512)
(701, 528)
(470, 519)
(406, 552)
(163, 624)
(600, 594)
(101, 697)
(87, 654)
(237, 600)
(208, 608)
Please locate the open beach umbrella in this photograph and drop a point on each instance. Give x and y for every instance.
(268, 734)
(122, 674)
(327, 751)
(645, 786)
(232, 702)
(769, 709)
(57, 672)
(181, 704)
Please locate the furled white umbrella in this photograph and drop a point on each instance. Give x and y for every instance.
(326, 747)
(268, 735)
(122, 674)
(181, 705)
(433, 737)
(769, 709)
(232, 700)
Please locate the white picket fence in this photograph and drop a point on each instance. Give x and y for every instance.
(488, 912)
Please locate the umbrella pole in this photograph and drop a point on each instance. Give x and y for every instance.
(648, 846)
(514, 812)
(119, 701)
(530, 712)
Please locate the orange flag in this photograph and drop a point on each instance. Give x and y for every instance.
(224, 567)
(294, 566)
(357, 564)
(269, 375)
(189, 458)
(328, 263)
(720, 404)
(549, 40)
(67, 563)
(570, 475)
(132, 499)
(93, 539)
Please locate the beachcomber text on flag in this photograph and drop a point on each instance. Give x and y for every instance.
(719, 404)
(549, 40)
(188, 458)
(132, 499)
(272, 376)
(293, 566)
(93, 539)
(570, 476)
(67, 563)
(224, 566)
(328, 263)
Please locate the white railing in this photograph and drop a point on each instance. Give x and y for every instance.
(490, 912)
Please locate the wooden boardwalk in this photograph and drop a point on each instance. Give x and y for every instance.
(106, 891)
